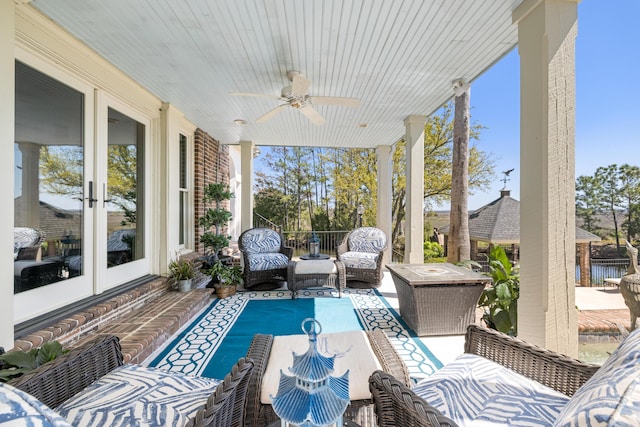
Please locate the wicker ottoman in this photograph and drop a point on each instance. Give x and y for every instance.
(320, 273)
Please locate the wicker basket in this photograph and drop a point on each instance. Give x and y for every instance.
(225, 291)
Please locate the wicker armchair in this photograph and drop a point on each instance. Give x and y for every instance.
(265, 258)
(361, 253)
(225, 407)
(396, 404)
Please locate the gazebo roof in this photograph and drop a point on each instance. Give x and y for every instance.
(498, 222)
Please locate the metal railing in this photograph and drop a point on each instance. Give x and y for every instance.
(299, 241)
(261, 222)
(604, 268)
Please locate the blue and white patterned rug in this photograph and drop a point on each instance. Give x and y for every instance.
(218, 337)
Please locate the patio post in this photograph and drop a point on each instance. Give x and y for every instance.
(384, 214)
(7, 130)
(246, 185)
(414, 228)
(546, 43)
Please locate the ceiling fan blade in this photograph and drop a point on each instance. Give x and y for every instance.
(334, 100)
(312, 115)
(299, 85)
(271, 113)
(254, 94)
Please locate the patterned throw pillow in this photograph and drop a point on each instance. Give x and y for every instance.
(612, 396)
(474, 391)
(18, 408)
(133, 395)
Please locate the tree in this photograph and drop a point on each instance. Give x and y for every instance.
(607, 180)
(588, 202)
(630, 195)
(459, 245)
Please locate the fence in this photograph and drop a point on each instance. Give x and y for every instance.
(299, 241)
(603, 268)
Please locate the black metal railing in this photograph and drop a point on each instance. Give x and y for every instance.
(604, 268)
(299, 241)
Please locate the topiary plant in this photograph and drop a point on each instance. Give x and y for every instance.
(214, 219)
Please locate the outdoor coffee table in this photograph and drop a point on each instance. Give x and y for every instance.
(437, 299)
(316, 273)
(260, 413)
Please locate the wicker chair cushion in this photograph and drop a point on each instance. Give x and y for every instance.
(260, 241)
(267, 261)
(18, 408)
(135, 395)
(612, 395)
(366, 260)
(367, 239)
(475, 391)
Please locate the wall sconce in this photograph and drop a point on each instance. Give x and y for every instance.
(255, 152)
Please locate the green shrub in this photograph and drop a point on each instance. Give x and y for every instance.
(500, 299)
(432, 250)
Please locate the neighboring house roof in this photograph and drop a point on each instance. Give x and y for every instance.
(498, 222)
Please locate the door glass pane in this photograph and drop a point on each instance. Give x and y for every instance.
(124, 192)
(48, 190)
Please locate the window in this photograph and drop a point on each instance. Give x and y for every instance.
(183, 190)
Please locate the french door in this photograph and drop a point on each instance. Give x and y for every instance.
(80, 191)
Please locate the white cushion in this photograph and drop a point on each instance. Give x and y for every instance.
(353, 351)
(18, 409)
(133, 395)
(474, 391)
(612, 396)
(316, 266)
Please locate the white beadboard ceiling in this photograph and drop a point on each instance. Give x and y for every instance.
(398, 57)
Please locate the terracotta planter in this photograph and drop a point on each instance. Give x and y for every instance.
(225, 291)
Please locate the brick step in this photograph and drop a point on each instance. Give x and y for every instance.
(143, 318)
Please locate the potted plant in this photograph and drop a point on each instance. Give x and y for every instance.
(228, 278)
(182, 271)
(214, 220)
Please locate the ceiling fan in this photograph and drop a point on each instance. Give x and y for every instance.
(295, 95)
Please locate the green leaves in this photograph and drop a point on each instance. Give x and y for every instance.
(500, 300)
(16, 363)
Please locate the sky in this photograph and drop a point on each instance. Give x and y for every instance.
(607, 97)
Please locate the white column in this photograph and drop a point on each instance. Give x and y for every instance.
(414, 224)
(546, 43)
(384, 196)
(7, 165)
(246, 171)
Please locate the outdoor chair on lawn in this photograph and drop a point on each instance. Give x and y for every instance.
(265, 258)
(361, 253)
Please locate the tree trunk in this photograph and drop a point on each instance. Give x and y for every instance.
(458, 244)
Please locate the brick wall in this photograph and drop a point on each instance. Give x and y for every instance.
(211, 164)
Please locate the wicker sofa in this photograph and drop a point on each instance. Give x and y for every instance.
(361, 253)
(501, 380)
(91, 386)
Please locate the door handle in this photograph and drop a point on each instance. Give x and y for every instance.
(90, 198)
(104, 195)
